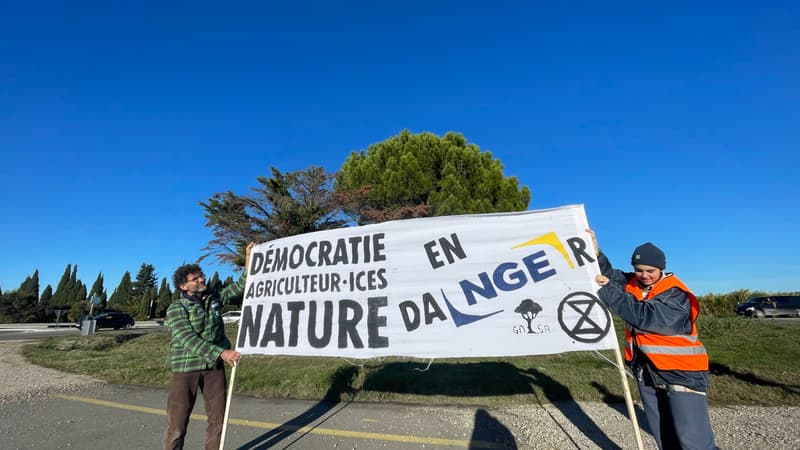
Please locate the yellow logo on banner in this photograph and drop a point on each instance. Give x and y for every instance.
(548, 239)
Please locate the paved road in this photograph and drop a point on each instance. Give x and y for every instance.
(124, 417)
(112, 417)
(116, 417)
(18, 331)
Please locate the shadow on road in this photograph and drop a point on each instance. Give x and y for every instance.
(560, 397)
(342, 380)
(455, 379)
(618, 403)
(487, 378)
(490, 433)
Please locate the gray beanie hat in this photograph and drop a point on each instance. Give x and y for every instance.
(649, 255)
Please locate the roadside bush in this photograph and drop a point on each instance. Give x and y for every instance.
(710, 326)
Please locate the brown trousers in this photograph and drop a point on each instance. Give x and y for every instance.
(180, 402)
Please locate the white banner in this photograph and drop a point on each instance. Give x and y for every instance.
(453, 286)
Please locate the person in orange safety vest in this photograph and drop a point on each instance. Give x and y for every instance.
(661, 346)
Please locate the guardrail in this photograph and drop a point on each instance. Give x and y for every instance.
(37, 326)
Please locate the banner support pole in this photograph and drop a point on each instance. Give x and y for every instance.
(628, 398)
(227, 408)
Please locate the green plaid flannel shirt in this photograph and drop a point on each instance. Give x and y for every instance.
(198, 333)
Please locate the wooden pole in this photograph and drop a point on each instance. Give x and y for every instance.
(228, 407)
(628, 398)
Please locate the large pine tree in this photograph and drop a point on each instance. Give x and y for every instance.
(413, 175)
(285, 204)
(145, 279)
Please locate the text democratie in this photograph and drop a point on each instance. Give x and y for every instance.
(353, 250)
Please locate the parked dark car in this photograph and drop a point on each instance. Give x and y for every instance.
(115, 320)
(770, 306)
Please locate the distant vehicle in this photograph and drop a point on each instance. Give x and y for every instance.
(231, 317)
(115, 320)
(770, 306)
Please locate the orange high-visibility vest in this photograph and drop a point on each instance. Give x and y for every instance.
(677, 352)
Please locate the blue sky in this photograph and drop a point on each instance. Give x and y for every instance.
(676, 123)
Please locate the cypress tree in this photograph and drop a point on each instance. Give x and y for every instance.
(144, 305)
(214, 285)
(22, 305)
(46, 302)
(152, 297)
(47, 295)
(5, 309)
(16, 307)
(30, 287)
(164, 298)
(60, 295)
(78, 310)
(80, 296)
(76, 290)
(122, 299)
(72, 285)
(98, 289)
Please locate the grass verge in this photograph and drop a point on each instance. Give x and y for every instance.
(753, 362)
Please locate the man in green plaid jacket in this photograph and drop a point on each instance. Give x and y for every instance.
(197, 353)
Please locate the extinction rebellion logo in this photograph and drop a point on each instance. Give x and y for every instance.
(579, 318)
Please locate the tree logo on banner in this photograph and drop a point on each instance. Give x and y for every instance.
(528, 309)
(577, 319)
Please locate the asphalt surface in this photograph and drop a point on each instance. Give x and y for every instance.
(43, 408)
(102, 416)
(115, 417)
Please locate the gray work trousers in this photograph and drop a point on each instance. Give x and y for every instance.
(678, 417)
